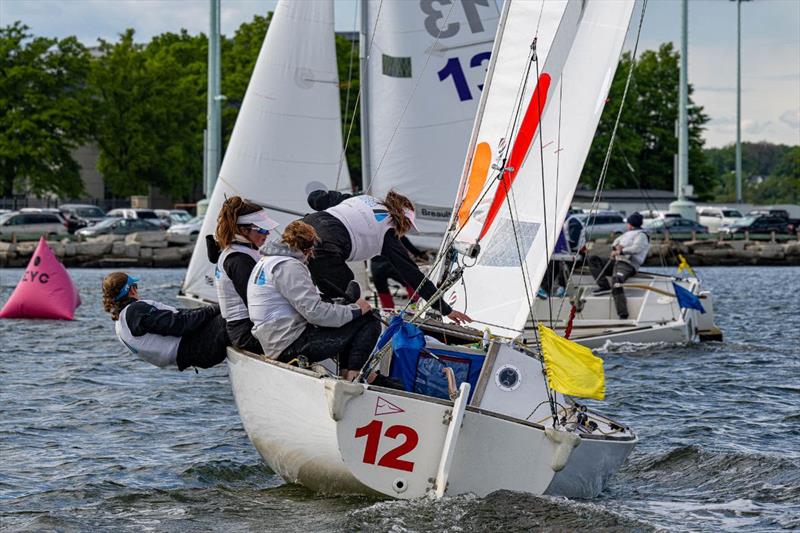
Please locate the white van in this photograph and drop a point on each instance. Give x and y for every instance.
(716, 217)
(31, 225)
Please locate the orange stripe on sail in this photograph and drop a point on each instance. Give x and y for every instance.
(477, 177)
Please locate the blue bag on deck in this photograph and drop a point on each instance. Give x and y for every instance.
(420, 372)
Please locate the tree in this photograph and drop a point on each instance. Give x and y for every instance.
(151, 107)
(349, 87)
(45, 112)
(646, 144)
(776, 165)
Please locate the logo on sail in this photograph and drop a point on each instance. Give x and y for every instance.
(385, 407)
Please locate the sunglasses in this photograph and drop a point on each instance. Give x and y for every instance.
(260, 231)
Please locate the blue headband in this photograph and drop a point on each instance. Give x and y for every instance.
(130, 282)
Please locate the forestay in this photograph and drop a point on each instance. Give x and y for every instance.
(533, 131)
(425, 74)
(288, 132)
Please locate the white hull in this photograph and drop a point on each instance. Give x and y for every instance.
(654, 313)
(313, 430)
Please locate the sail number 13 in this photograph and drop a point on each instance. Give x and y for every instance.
(392, 458)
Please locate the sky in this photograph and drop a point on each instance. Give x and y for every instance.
(770, 47)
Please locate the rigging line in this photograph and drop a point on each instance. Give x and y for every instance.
(410, 98)
(604, 170)
(343, 155)
(368, 52)
(555, 221)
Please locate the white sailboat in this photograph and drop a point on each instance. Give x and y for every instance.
(509, 431)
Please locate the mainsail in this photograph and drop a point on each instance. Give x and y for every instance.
(288, 132)
(427, 62)
(544, 95)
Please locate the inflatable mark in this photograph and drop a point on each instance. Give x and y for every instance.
(45, 290)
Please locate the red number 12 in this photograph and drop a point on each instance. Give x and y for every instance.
(390, 459)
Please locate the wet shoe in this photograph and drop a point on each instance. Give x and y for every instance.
(541, 293)
(560, 292)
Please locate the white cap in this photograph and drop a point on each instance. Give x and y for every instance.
(411, 216)
(260, 219)
(315, 186)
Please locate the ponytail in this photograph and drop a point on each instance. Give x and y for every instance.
(112, 285)
(232, 209)
(397, 204)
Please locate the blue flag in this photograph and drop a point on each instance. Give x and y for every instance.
(686, 299)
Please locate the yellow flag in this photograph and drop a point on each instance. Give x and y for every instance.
(683, 264)
(571, 369)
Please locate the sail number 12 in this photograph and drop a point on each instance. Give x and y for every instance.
(392, 458)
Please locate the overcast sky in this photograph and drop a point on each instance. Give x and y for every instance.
(770, 47)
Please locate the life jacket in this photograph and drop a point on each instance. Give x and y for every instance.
(367, 221)
(267, 304)
(231, 305)
(158, 350)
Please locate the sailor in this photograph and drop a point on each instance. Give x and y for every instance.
(628, 252)
(359, 228)
(161, 334)
(570, 245)
(242, 228)
(291, 319)
(380, 268)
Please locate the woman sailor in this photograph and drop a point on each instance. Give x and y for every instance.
(289, 316)
(362, 227)
(161, 334)
(242, 227)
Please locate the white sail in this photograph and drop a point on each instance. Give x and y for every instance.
(538, 138)
(288, 131)
(425, 72)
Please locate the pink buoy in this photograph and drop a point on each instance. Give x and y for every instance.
(45, 290)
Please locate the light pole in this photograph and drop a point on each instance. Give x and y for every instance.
(682, 206)
(213, 123)
(739, 99)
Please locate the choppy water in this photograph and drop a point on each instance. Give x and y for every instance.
(92, 439)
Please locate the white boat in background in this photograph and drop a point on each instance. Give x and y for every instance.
(655, 315)
(511, 430)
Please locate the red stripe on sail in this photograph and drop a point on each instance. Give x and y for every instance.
(530, 123)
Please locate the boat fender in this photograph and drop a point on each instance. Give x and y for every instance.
(338, 393)
(565, 443)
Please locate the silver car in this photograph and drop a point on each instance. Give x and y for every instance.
(32, 225)
(192, 227)
(603, 224)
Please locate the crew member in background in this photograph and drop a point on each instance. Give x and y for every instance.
(161, 334)
(242, 227)
(361, 227)
(628, 252)
(291, 319)
(570, 245)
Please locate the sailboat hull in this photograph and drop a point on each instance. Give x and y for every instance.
(337, 437)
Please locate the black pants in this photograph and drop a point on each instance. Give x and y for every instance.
(556, 275)
(205, 347)
(351, 343)
(619, 272)
(382, 271)
(240, 332)
(328, 267)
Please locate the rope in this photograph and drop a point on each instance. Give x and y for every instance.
(343, 155)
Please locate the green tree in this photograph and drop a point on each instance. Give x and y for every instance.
(45, 112)
(645, 145)
(349, 86)
(151, 106)
(776, 165)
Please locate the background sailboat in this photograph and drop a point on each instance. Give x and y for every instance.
(288, 133)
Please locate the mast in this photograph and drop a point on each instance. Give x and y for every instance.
(683, 206)
(366, 167)
(212, 158)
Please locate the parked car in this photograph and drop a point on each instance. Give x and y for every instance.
(192, 227)
(716, 217)
(174, 216)
(88, 212)
(794, 223)
(603, 223)
(32, 224)
(117, 226)
(145, 214)
(673, 225)
(759, 224)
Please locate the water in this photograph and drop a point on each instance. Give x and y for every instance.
(91, 438)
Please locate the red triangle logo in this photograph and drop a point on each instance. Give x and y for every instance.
(385, 407)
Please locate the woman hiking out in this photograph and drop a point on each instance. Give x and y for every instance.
(161, 334)
(242, 227)
(361, 227)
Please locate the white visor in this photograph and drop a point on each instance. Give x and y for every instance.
(411, 216)
(259, 218)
